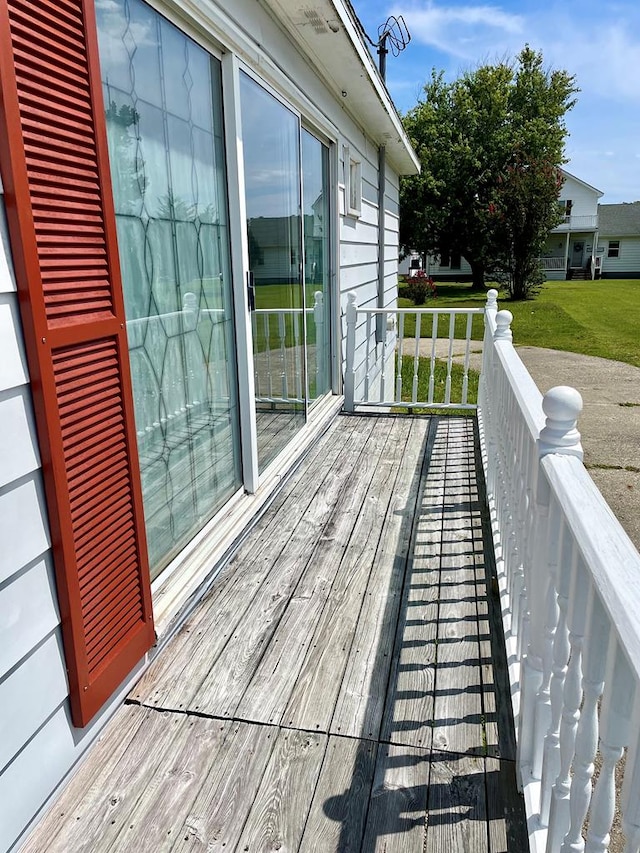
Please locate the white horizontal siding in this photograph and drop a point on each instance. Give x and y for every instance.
(40, 682)
(24, 532)
(628, 260)
(584, 201)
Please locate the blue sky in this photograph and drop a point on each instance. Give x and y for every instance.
(597, 41)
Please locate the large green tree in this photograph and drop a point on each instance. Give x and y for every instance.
(491, 145)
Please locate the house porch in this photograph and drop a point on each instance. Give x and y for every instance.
(343, 685)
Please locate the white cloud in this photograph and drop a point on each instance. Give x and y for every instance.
(462, 31)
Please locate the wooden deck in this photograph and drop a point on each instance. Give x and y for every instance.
(339, 689)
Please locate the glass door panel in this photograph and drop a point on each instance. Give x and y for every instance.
(164, 123)
(316, 229)
(271, 148)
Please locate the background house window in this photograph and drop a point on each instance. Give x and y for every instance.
(614, 249)
(454, 260)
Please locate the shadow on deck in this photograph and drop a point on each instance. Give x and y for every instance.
(343, 685)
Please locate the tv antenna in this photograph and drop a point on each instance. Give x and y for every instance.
(394, 33)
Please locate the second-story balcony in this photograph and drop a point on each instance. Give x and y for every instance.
(425, 642)
(577, 223)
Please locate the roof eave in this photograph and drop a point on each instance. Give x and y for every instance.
(329, 34)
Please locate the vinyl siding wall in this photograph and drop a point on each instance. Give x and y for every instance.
(627, 264)
(38, 744)
(358, 271)
(585, 201)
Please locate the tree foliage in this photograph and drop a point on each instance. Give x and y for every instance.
(491, 145)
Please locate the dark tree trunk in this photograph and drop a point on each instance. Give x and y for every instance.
(477, 272)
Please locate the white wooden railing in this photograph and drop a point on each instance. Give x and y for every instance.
(575, 223)
(569, 579)
(374, 371)
(552, 264)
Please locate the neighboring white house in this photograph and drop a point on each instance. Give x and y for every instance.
(571, 249)
(620, 239)
(154, 386)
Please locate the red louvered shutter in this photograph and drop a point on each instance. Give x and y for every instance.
(55, 170)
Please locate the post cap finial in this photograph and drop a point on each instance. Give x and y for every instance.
(492, 298)
(503, 326)
(351, 297)
(561, 405)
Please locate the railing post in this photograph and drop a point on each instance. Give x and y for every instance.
(490, 310)
(561, 405)
(351, 314)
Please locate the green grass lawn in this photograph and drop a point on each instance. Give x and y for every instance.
(440, 379)
(591, 317)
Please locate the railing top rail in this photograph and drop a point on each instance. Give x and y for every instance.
(524, 388)
(420, 310)
(611, 557)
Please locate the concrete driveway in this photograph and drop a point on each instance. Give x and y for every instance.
(609, 423)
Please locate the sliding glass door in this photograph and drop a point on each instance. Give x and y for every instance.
(162, 96)
(271, 146)
(163, 102)
(286, 190)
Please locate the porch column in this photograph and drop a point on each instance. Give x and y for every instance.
(566, 254)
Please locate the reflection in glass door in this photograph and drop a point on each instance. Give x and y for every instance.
(271, 146)
(315, 221)
(164, 122)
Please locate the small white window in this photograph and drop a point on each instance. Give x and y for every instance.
(614, 249)
(352, 184)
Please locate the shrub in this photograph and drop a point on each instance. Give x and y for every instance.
(420, 287)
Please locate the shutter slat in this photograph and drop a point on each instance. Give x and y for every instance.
(63, 234)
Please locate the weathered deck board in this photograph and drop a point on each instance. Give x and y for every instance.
(279, 811)
(216, 819)
(313, 700)
(91, 776)
(228, 678)
(339, 808)
(263, 563)
(293, 642)
(458, 724)
(457, 804)
(295, 709)
(408, 715)
(236, 581)
(361, 700)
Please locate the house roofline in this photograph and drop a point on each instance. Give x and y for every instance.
(584, 183)
(330, 33)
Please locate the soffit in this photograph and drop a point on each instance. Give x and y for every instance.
(329, 33)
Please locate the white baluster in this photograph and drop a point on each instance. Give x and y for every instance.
(559, 817)
(615, 718)
(432, 362)
(416, 361)
(383, 371)
(367, 372)
(351, 315)
(631, 786)
(594, 663)
(465, 369)
(452, 331)
(400, 345)
(561, 649)
(543, 699)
